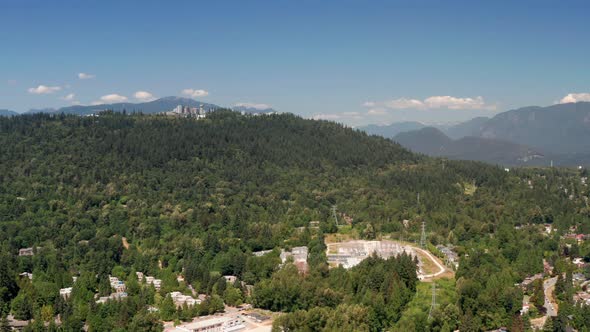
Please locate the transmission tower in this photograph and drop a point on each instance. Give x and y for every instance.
(334, 214)
(423, 236)
(433, 304)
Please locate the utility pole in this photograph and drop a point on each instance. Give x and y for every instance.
(423, 236)
(334, 214)
(433, 304)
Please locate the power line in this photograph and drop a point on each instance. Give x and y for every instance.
(334, 213)
(423, 235)
(433, 304)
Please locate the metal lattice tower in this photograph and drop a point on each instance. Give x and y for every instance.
(433, 304)
(334, 214)
(423, 236)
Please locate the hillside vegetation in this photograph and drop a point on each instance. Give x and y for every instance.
(198, 196)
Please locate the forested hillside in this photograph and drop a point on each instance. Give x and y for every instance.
(115, 194)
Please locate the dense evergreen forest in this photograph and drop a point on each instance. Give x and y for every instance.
(117, 194)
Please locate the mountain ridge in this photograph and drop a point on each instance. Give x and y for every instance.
(433, 142)
(163, 104)
(559, 132)
(5, 112)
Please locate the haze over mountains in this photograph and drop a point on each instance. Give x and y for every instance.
(4, 112)
(525, 136)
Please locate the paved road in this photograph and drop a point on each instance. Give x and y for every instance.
(548, 288)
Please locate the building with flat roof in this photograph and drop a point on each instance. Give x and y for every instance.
(26, 252)
(299, 255)
(216, 324)
(65, 292)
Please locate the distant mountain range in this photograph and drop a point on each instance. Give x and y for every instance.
(253, 110)
(7, 113)
(561, 129)
(393, 129)
(156, 106)
(468, 128)
(455, 131)
(434, 142)
(525, 136)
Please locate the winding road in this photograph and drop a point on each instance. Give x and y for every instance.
(548, 288)
(441, 268)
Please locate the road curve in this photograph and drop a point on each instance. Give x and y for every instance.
(441, 268)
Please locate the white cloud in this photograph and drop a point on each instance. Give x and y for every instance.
(377, 111)
(575, 97)
(69, 97)
(143, 96)
(433, 102)
(108, 99)
(85, 76)
(455, 103)
(195, 93)
(44, 89)
(253, 105)
(402, 103)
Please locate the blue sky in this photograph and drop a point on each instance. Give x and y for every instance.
(357, 62)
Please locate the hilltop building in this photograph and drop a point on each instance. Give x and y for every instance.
(187, 111)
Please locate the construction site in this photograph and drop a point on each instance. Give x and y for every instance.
(350, 253)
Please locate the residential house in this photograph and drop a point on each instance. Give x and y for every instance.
(230, 279)
(180, 299)
(26, 252)
(26, 275)
(65, 292)
(113, 296)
